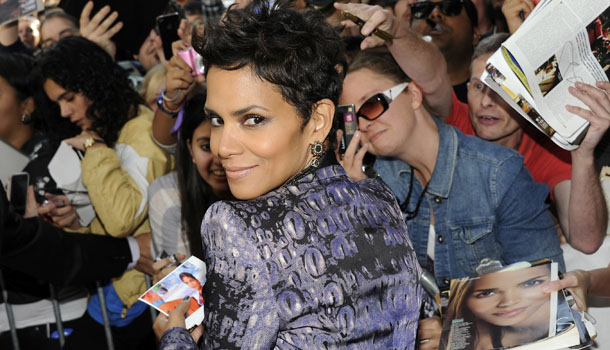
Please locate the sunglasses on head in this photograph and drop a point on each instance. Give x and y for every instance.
(422, 9)
(377, 104)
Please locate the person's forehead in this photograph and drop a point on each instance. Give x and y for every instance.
(58, 24)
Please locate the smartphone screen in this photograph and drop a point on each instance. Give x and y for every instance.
(19, 192)
(348, 123)
(167, 25)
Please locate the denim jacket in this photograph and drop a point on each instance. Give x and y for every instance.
(485, 204)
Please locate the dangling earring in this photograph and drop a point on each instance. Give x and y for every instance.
(26, 118)
(317, 149)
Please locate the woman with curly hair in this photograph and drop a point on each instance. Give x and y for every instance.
(120, 161)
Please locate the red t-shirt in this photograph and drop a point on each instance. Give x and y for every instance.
(547, 162)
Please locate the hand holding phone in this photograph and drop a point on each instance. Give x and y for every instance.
(167, 27)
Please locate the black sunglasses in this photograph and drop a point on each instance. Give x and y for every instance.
(422, 9)
(377, 104)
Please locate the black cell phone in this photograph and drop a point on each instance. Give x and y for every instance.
(167, 26)
(19, 192)
(348, 122)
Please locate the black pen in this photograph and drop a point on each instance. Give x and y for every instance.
(359, 22)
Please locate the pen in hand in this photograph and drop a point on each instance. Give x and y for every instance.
(378, 32)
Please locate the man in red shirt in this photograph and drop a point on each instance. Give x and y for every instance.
(572, 178)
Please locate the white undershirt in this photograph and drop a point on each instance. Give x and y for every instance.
(431, 237)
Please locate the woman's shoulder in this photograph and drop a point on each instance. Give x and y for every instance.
(474, 148)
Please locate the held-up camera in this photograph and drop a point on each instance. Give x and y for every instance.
(193, 59)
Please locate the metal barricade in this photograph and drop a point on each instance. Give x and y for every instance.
(57, 313)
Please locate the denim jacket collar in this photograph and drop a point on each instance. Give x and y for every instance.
(442, 176)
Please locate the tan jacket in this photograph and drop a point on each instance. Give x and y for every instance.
(117, 180)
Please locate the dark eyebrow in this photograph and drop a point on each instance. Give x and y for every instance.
(485, 290)
(247, 109)
(63, 96)
(237, 112)
(533, 278)
(203, 139)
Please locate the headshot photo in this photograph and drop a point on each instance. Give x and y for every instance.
(501, 309)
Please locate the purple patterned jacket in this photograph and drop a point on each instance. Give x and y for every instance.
(322, 263)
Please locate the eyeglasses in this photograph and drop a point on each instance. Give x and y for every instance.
(377, 104)
(422, 9)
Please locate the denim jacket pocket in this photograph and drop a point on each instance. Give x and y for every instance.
(473, 243)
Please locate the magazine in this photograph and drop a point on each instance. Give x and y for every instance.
(11, 10)
(186, 281)
(509, 310)
(562, 42)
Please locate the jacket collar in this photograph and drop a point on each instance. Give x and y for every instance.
(442, 177)
(446, 160)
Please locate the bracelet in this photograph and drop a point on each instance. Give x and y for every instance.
(171, 99)
(167, 110)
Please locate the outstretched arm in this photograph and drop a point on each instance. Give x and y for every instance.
(580, 202)
(420, 60)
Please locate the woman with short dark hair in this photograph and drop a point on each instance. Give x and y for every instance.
(308, 258)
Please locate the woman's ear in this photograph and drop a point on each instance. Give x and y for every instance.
(322, 119)
(416, 95)
(27, 105)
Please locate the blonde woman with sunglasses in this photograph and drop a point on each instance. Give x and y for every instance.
(463, 199)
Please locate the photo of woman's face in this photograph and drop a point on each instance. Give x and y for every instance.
(256, 133)
(512, 298)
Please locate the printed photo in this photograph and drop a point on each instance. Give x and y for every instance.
(548, 75)
(499, 310)
(186, 280)
(11, 10)
(599, 38)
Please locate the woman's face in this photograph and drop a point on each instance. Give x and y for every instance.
(513, 298)
(72, 105)
(208, 166)
(256, 134)
(386, 134)
(10, 109)
(191, 282)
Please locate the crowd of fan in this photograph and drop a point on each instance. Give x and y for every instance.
(152, 169)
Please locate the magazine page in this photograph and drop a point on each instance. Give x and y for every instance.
(514, 93)
(553, 51)
(499, 310)
(11, 10)
(186, 281)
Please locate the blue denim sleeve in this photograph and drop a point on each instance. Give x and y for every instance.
(525, 227)
(239, 300)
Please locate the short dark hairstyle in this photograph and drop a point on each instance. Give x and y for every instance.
(16, 70)
(490, 44)
(79, 65)
(380, 61)
(296, 51)
(187, 274)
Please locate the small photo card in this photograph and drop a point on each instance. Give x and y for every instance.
(187, 280)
